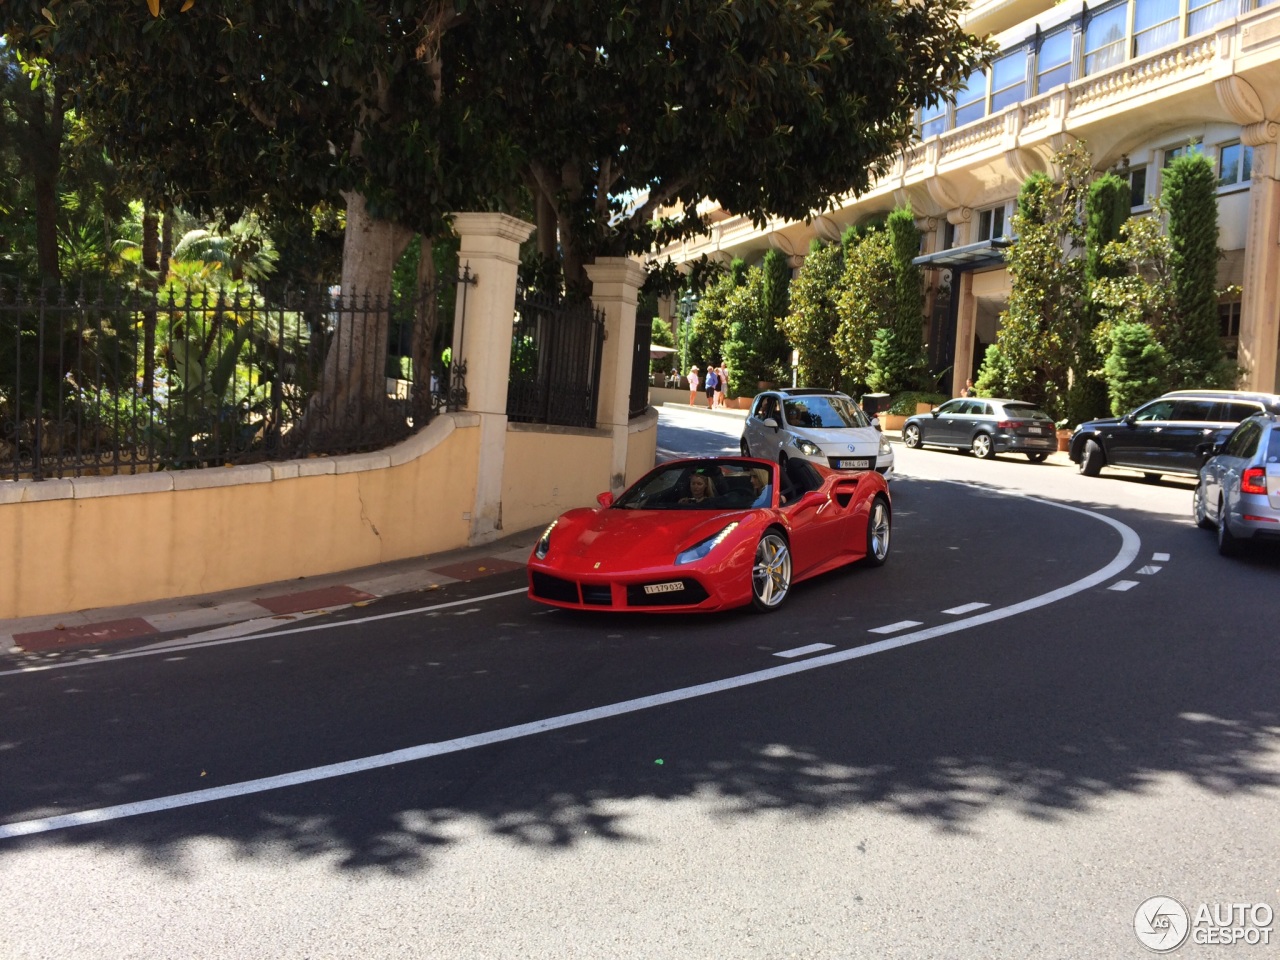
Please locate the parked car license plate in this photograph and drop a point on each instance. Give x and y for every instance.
(1033, 429)
(855, 464)
(673, 587)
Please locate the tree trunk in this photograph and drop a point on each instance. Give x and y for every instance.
(150, 262)
(350, 402)
(166, 243)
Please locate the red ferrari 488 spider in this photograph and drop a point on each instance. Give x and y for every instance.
(694, 535)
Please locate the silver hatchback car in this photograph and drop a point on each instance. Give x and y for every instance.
(1239, 490)
(823, 426)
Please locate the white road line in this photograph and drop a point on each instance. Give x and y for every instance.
(967, 608)
(801, 651)
(895, 627)
(205, 644)
(229, 632)
(1160, 557)
(1123, 585)
(1149, 569)
(1130, 542)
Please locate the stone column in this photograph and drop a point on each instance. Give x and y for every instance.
(1260, 303)
(490, 248)
(615, 289)
(966, 321)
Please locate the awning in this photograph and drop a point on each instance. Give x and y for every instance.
(986, 253)
(657, 352)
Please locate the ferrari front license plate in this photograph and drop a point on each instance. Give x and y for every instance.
(663, 587)
(855, 464)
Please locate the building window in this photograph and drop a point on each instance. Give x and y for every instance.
(933, 120)
(1053, 59)
(1229, 328)
(1204, 15)
(1008, 80)
(971, 100)
(1104, 38)
(1138, 187)
(1156, 24)
(1235, 164)
(1229, 320)
(991, 223)
(948, 235)
(1173, 153)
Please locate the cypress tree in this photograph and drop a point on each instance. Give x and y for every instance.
(1196, 357)
(1106, 210)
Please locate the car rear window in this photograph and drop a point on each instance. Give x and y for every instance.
(1273, 446)
(1025, 411)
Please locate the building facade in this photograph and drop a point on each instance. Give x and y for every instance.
(1138, 82)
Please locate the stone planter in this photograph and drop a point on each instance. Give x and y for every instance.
(892, 421)
(1064, 441)
(923, 407)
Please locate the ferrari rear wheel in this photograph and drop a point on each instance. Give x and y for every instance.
(879, 523)
(771, 573)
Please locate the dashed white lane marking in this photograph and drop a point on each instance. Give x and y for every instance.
(205, 643)
(463, 613)
(895, 627)
(1123, 585)
(1130, 542)
(1149, 569)
(802, 651)
(1160, 557)
(967, 608)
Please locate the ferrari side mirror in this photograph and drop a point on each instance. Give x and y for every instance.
(605, 499)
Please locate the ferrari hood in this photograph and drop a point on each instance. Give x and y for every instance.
(636, 537)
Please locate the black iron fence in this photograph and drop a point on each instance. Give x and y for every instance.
(556, 348)
(640, 368)
(128, 381)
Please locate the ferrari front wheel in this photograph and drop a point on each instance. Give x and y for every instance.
(771, 573)
(879, 522)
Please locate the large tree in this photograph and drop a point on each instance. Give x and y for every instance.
(605, 112)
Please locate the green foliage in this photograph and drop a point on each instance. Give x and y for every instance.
(1196, 357)
(1106, 210)
(813, 320)
(864, 303)
(755, 349)
(897, 358)
(1047, 311)
(709, 326)
(904, 404)
(993, 374)
(1136, 366)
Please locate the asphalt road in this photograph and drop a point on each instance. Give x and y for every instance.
(1054, 702)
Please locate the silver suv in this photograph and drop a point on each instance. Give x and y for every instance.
(818, 425)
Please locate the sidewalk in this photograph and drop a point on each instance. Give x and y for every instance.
(260, 607)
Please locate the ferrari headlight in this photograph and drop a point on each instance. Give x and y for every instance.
(544, 542)
(885, 449)
(806, 447)
(700, 550)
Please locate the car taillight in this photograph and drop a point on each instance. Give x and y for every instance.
(1254, 480)
(1008, 424)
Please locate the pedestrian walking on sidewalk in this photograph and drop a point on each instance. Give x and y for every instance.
(712, 386)
(693, 385)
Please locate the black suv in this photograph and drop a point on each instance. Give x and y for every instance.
(1171, 434)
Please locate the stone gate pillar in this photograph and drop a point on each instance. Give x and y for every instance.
(490, 249)
(615, 289)
(1260, 305)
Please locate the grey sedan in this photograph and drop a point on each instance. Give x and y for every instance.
(986, 426)
(1239, 490)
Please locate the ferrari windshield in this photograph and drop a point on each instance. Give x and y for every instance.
(827, 413)
(702, 485)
